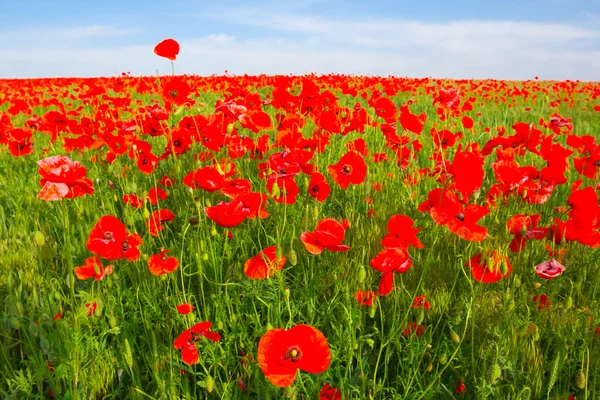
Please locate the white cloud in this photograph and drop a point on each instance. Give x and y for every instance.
(300, 44)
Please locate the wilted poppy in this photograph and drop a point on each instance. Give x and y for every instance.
(264, 264)
(93, 268)
(365, 298)
(549, 269)
(490, 270)
(281, 353)
(188, 339)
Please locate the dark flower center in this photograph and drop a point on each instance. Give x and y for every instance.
(108, 236)
(177, 143)
(597, 163)
(444, 142)
(125, 246)
(145, 161)
(195, 337)
(460, 217)
(315, 189)
(173, 93)
(346, 169)
(293, 354)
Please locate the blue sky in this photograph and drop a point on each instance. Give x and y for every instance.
(508, 39)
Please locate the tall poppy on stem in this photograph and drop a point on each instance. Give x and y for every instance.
(188, 339)
(281, 353)
(168, 48)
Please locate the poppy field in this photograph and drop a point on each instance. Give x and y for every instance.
(318, 236)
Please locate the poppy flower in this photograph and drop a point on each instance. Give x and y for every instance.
(227, 215)
(168, 48)
(524, 228)
(365, 298)
(401, 233)
(493, 269)
(281, 353)
(542, 300)
(413, 327)
(318, 187)
(155, 194)
(185, 308)
(351, 169)
(421, 302)
(329, 235)
(460, 386)
(91, 308)
(110, 240)
(93, 268)
(388, 261)
(467, 169)
(133, 200)
(328, 392)
(20, 142)
(155, 222)
(549, 269)
(62, 178)
(207, 178)
(160, 264)
(264, 264)
(188, 339)
(460, 219)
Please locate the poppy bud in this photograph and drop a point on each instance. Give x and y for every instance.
(568, 303)
(570, 342)
(372, 310)
(511, 305)
(455, 337)
(580, 380)
(205, 257)
(355, 346)
(430, 368)
(39, 238)
(293, 257)
(443, 359)
(219, 325)
(316, 213)
(233, 317)
(362, 274)
(279, 253)
(490, 264)
(420, 316)
(112, 322)
(194, 221)
(370, 342)
(146, 213)
(209, 383)
(57, 295)
(269, 326)
(130, 221)
(286, 292)
(213, 231)
(229, 128)
(115, 198)
(504, 267)
(275, 190)
(517, 282)
(524, 193)
(536, 285)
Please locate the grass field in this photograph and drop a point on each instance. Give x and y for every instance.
(329, 172)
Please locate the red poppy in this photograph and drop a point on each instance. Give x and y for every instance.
(207, 178)
(155, 194)
(329, 235)
(351, 169)
(185, 308)
(188, 339)
(460, 386)
(421, 302)
(365, 298)
(467, 168)
(318, 187)
(155, 222)
(227, 215)
(264, 264)
(160, 264)
(62, 178)
(281, 353)
(133, 200)
(413, 327)
(460, 219)
(93, 268)
(109, 239)
(401, 233)
(388, 261)
(549, 269)
(168, 48)
(91, 308)
(20, 142)
(411, 122)
(328, 392)
(176, 91)
(493, 269)
(524, 228)
(542, 300)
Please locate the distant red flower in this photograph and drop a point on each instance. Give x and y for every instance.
(185, 308)
(328, 392)
(93, 268)
(20, 142)
(549, 269)
(490, 270)
(168, 48)
(318, 187)
(448, 99)
(542, 300)
(155, 222)
(91, 308)
(264, 264)
(524, 228)
(188, 339)
(155, 194)
(133, 200)
(460, 386)
(62, 178)
(160, 264)
(351, 169)
(329, 235)
(365, 298)
(413, 327)
(281, 353)
(421, 302)
(109, 239)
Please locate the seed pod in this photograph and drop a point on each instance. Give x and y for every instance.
(443, 359)
(293, 257)
(213, 231)
(209, 383)
(39, 238)
(420, 316)
(455, 337)
(362, 274)
(146, 213)
(580, 380)
(112, 322)
(568, 303)
(517, 281)
(373, 310)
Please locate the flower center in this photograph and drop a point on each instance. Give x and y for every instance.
(293, 354)
(195, 337)
(460, 217)
(173, 93)
(125, 246)
(597, 163)
(346, 169)
(108, 236)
